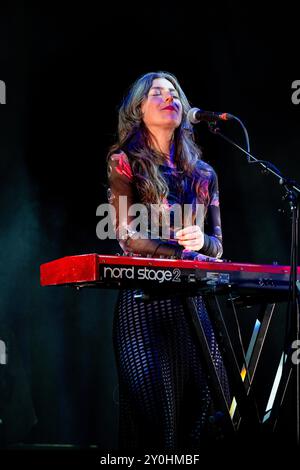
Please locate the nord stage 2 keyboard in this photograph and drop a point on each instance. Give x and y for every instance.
(109, 271)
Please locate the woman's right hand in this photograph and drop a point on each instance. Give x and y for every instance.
(194, 256)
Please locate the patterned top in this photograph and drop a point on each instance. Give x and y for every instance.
(122, 183)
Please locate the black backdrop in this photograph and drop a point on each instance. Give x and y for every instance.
(66, 68)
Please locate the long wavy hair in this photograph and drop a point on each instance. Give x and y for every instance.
(135, 140)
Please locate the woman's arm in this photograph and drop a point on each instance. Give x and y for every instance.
(121, 189)
(209, 242)
(213, 245)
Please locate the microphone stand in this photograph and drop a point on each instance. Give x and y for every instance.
(292, 192)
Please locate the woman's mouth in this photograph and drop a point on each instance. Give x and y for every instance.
(169, 108)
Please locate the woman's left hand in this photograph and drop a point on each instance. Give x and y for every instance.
(191, 237)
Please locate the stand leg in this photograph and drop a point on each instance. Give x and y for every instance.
(208, 364)
(246, 417)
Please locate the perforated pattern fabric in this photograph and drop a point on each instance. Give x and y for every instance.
(164, 398)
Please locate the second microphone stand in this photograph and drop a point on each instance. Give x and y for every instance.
(291, 361)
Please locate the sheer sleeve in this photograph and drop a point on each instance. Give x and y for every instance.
(122, 195)
(213, 245)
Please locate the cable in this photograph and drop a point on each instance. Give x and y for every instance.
(245, 133)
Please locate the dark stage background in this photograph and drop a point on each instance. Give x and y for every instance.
(66, 68)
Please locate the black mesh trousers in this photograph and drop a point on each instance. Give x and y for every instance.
(164, 397)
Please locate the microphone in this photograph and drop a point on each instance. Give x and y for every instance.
(196, 115)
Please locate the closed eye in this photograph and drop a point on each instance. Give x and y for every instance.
(158, 92)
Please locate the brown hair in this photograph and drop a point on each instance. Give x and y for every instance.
(135, 140)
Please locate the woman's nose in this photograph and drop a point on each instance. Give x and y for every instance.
(169, 99)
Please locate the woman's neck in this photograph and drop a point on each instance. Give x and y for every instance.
(163, 142)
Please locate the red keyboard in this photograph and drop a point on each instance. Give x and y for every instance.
(136, 272)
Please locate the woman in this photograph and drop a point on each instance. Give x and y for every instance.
(165, 401)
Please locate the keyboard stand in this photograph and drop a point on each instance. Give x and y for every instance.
(245, 417)
(242, 417)
(243, 410)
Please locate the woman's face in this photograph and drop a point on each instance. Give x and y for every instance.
(162, 107)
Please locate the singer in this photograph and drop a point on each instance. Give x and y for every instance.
(164, 397)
